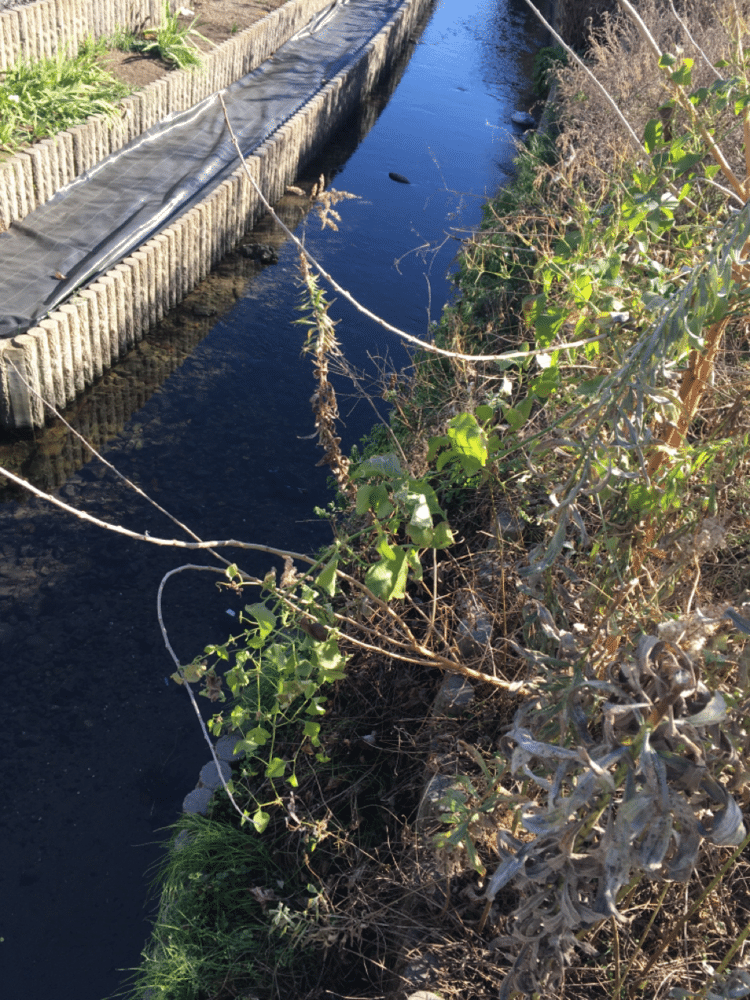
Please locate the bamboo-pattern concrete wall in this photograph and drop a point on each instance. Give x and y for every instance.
(44, 28)
(33, 175)
(78, 341)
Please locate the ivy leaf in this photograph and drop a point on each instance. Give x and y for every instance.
(312, 731)
(517, 416)
(327, 578)
(328, 657)
(363, 499)
(442, 536)
(257, 737)
(265, 618)
(435, 445)
(261, 820)
(468, 442)
(420, 536)
(387, 578)
(380, 465)
(275, 768)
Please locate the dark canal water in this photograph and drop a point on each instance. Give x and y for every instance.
(208, 416)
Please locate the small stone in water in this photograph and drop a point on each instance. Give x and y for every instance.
(523, 118)
(210, 779)
(197, 801)
(399, 178)
(225, 748)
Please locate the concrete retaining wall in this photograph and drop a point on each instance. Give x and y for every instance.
(77, 342)
(32, 176)
(42, 29)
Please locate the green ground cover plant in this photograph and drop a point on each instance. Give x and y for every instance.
(37, 100)
(171, 41)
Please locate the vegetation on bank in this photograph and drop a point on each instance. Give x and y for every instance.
(560, 530)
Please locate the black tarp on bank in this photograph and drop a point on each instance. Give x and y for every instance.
(109, 211)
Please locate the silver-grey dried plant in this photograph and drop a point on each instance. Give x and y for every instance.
(635, 771)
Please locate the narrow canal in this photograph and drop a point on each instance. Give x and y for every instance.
(210, 417)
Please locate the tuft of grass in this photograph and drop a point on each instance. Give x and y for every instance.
(37, 100)
(213, 935)
(170, 41)
(122, 39)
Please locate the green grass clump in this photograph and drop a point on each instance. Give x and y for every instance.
(37, 100)
(211, 936)
(170, 41)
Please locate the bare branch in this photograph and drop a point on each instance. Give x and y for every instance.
(186, 685)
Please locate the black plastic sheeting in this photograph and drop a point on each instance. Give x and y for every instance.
(109, 211)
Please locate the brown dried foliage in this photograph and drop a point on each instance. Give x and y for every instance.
(624, 64)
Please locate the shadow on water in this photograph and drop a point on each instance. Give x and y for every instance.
(210, 416)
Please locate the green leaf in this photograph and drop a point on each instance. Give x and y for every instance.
(387, 578)
(265, 618)
(642, 499)
(261, 820)
(687, 162)
(275, 768)
(546, 383)
(312, 731)
(384, 548)
(517, 416)
(363, 499)
(420, 536)
(328, 656)
(653, 135)
(257, 737)
(442, 536)
(468, 441)
(581, 287)
(549, 323)
(327, 578)
(485, 413)
(380, 465)
(684, 75)
(435, 445)
(591, 386)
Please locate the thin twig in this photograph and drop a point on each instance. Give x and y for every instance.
(175, 543)
(98, 455)
(168, 644)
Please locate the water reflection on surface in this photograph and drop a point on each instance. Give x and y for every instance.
(210, 417)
